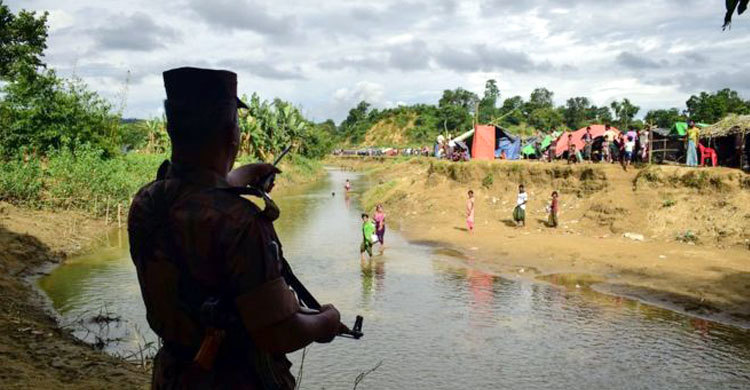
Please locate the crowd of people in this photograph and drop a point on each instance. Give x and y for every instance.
(519, 211)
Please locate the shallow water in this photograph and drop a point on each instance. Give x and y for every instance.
(433, 320)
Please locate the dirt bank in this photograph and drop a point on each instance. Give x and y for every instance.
(695, 253)
(35, 353)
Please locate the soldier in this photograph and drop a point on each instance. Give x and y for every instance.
(193, 240)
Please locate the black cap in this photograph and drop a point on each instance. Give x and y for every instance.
(195, 86)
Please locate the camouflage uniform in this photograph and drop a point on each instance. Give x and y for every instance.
(191, 238)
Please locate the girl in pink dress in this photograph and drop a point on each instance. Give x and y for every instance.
(470, 212)
(379, 218)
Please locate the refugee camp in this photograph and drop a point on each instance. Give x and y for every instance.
(290, 195)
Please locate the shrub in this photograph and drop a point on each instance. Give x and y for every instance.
(488, 180)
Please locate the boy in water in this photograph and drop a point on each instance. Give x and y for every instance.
(368, 229)
(553, 208)
(347, 185)
(470, 212)
(519, 213)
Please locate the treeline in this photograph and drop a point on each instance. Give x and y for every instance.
(457, 110)
(63, 145)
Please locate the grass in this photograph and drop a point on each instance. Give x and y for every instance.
(87, 181)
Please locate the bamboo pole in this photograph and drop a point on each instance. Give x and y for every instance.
(106, 216)
(119, 215)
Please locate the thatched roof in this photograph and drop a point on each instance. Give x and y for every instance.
(731, 124)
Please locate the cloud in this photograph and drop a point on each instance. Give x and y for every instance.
(634, 61)
(265, 69)
(693, 82)
(364, 90)
(244, 15)
(136, 32)
(482, 58)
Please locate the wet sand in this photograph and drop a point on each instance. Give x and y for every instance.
(710, 279)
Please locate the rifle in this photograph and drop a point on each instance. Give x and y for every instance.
(216, 318)
(303, 293)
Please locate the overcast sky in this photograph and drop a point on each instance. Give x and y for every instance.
(325, 56)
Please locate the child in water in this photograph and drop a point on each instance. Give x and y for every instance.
(519, 213)
(368, 229)
(553, 208)
(347, 185)
(470, 212)
(379, 218)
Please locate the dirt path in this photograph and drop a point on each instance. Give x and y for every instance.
(35, 353)
(709, 277)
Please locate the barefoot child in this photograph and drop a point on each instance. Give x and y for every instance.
(553, 207)
(368, 230)
(470, 212)
(347, 186)
(519, 213)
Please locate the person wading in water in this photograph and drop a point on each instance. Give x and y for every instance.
(197, 244)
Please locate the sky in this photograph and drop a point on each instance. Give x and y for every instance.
(325, 56)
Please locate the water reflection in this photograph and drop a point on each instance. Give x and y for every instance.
(373, 277)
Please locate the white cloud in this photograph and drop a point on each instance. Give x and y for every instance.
(319, 54)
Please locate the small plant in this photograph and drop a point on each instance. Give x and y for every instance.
(687, 237)
(488, 180)
(668, 203)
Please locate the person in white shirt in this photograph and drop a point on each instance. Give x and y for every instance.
(519, 212)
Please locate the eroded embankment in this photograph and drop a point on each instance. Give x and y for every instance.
(694, 224)
(35, 353)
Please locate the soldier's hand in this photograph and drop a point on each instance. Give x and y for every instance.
(333, 323)
(251, 174)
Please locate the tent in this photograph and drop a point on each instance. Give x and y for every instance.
(508, 145)
(730, 137)
(562, 143)
(488, 142)
(483, 143)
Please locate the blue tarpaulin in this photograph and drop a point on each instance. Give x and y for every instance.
(507, 144)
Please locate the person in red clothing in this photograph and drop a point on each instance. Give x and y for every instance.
(553, 208)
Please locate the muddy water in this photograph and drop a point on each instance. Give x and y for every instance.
(433, 320)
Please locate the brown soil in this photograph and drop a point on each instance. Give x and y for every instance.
(35, 353)
(695, 256)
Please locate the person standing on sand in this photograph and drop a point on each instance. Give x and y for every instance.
(692, 143)
(588, 142)
(368, 230)
(629, 152)
(379, 218)
(553, 209)
(470, 212)
(519, 212)
(609, 138)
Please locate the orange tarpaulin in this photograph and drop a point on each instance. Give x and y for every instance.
(562, 142)
(483, 147)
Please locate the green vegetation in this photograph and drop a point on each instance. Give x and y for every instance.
(62, 145)
(457, 109)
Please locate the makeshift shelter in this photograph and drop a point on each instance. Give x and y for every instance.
(730, 137)
(667, 146)
(597, 131)
(508, 145)
(488, 142)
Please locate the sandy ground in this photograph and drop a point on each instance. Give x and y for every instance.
(706, 274)
(35, 353)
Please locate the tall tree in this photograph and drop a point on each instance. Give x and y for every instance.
(23, 38)
(456, 108)
(599, 114)
(540, 98)
(708, 107)
(664, 118)
(575, 112)
(488, 104)
(625, 111)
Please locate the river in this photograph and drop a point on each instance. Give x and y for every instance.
(433, 320)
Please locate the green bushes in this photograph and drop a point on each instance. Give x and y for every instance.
(82, 180)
